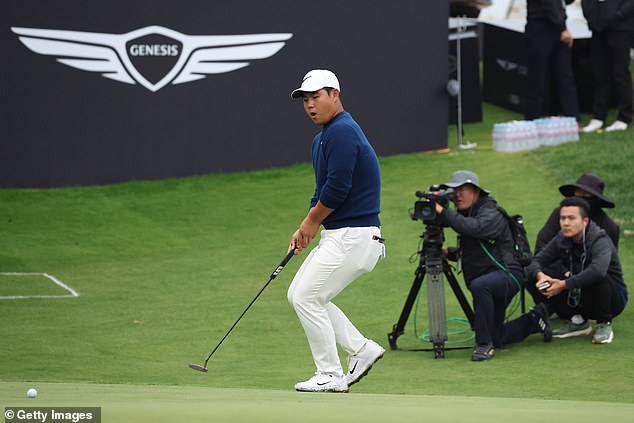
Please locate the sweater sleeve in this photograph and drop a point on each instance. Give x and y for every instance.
(341, 156)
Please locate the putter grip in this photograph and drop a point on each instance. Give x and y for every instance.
(283, 263)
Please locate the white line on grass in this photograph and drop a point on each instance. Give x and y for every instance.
(73, 293)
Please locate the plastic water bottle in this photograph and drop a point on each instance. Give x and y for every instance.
(515, 136)
(500, 137)
(533, 136)
(570, 129)
(547, 133)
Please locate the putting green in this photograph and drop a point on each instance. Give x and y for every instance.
(151, 403)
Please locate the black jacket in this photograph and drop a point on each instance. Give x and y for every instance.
(482, 222)
(551, 227)
(591, 261)
(610, 15)
(550, 10)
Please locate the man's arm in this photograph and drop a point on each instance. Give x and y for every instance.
(487, 224)
(547, 256)
(601, 254)
(309, 227)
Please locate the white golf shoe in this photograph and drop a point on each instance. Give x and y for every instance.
(616, 126)
(594, 125)
(323, 382)
(359, 364)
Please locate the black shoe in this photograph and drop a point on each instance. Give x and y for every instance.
(483, 353)
(541, 313)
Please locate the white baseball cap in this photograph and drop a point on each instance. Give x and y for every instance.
(315, 80)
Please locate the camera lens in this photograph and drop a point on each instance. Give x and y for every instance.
(428, 211)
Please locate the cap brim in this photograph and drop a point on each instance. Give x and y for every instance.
(297, 93)
(306, 88)
(569, 191)
(455, 185)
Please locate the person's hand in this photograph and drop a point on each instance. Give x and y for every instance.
(304, 235)
(556, 287)
(307, 231)
(542, 278)
(439, 208)
(294, 245)
(566, 38)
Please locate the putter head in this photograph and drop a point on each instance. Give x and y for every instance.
(198, 368)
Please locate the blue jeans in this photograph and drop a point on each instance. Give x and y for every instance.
(492, 293)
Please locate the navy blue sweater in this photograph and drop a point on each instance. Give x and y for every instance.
(347, 174)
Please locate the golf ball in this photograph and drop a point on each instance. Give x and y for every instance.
(31, 393)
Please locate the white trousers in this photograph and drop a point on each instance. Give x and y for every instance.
(341, 256)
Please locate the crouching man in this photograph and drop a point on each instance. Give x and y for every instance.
(593, 287)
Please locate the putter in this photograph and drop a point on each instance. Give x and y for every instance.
(203, 368)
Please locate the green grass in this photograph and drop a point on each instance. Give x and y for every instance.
(164, 268)
(142, 403)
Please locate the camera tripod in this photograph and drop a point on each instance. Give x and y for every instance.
(434, 267)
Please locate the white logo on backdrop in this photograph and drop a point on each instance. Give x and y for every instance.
(108, 54)
(506, 65)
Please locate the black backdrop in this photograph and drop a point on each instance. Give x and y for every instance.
(64, 126)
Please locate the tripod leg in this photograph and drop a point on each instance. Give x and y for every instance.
(439, 350)
(399, 327)
(436, 305)
(455, 286)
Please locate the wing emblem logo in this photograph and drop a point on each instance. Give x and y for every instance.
(153, 56)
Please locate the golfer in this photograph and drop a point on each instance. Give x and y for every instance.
(346, 202)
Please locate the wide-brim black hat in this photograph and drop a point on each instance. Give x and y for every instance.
(592, 184)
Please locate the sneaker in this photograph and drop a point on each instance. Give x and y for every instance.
(359, 364)
(603, 333)
(323, 382)
(540, 311)
(594, 125)
(572, 329)
(617, 126)
(483, 353)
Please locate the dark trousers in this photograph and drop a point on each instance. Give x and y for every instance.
(610, 58)
(517, 330)
(492, 293)
(601, 302)
(555, 270)
(547, 55)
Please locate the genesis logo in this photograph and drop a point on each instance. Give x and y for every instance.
(506, 65)
(153, 56)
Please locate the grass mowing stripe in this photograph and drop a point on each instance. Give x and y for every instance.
(158, 404)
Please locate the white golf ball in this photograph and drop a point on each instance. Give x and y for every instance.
(31, 393)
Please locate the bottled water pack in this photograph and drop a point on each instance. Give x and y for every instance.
(526, 135)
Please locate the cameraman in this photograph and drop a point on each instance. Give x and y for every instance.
(484, 236)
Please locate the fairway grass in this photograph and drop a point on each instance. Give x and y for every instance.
(157, 404)
(164, 268)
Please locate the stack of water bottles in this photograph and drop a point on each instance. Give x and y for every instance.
(529, 134)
